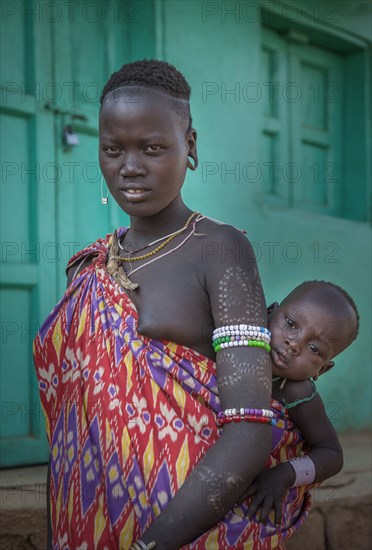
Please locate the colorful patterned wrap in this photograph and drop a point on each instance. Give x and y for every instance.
(127, 420)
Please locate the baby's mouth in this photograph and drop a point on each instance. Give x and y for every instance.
(280, 359)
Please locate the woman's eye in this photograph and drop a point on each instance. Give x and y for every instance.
(111, 150)
(289, 322)
(314, 349)
(153, 148)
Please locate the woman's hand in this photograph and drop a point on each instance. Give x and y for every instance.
(268, 491)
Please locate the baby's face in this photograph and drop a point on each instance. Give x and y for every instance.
(307, 330)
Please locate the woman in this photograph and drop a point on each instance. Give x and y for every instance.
(125, 362)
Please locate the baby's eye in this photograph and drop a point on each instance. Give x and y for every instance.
(314, 349)
(289, 322)
(152, 148)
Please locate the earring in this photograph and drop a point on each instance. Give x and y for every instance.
(190, 165)
(104, 200)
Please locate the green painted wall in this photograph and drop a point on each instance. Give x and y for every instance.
(292, 245)
(47, 218)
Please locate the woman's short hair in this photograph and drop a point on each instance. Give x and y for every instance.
(153, 74)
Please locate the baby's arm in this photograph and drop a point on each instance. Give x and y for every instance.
(318, 432)
(320, 437)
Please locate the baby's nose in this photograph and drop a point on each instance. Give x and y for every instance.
(294, 345)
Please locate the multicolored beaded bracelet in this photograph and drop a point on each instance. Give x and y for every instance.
(251, 418)
(264, 416)
(241, 335)
(242, 412)
(224, 342)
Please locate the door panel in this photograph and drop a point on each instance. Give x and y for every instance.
(27, 281)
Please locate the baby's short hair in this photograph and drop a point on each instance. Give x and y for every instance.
(156, 75)
(344, 295)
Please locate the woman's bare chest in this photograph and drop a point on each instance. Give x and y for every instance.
(172, 304)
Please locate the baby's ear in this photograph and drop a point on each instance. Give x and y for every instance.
(272, 307)
(328, 366)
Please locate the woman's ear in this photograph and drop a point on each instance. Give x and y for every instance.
(272, 308)
(189, 163)
(193, 153)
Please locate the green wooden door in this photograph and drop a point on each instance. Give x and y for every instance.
(90, 42)
(86, 51)
(55, 59)
(27, 229)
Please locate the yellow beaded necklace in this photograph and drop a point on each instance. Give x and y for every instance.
(161, 246)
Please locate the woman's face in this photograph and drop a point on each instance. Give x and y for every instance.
(143, 150)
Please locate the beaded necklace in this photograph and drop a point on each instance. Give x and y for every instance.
(114, 265)
(299, 401)
(192, 232)
(168, 239)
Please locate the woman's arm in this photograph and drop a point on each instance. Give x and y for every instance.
(244, 380)
(320, 437)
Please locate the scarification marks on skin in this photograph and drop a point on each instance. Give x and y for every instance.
(258, 370)
(216, 487)
(239, 293)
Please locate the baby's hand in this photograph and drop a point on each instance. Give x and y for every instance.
(268, 491)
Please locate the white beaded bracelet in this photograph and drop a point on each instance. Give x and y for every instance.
(304, 469)
(241, 328)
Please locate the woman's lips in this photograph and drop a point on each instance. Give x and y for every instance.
(280, 360)
(134, 194)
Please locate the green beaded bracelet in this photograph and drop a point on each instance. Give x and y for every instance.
(217, 346)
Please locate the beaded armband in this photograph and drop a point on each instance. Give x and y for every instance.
(263, 416)
(241, 335)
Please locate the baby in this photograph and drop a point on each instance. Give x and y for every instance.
(313, 324)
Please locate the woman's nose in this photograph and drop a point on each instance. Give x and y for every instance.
(130, 169)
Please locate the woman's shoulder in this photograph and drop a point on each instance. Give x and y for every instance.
(224, 243)
(222, 234)
(220, 228)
